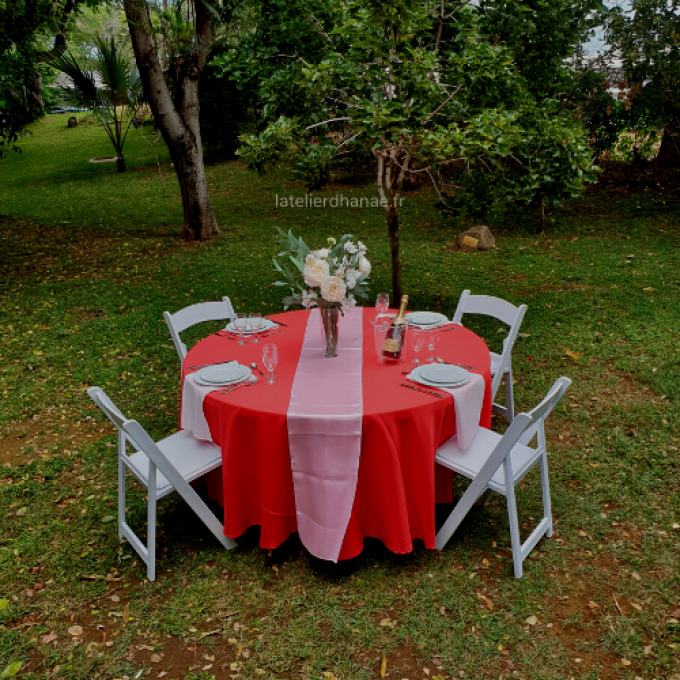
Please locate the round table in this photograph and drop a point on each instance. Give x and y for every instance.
(398, 481)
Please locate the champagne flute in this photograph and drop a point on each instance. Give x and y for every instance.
(432, 335)
(255, 321)
(270, 357)
(382, 303)
(241, 325)
(417, 336)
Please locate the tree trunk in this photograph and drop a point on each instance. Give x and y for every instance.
(541, 215)
(178, 122)
(34, 98)
(393, 227)
(669, 151)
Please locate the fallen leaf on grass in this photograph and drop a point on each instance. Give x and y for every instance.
(12, 669)
(46, 639)
(572, 355)
(636, 576)
(647, 650)
(675, 614)
(636, 606)
(126, 614)
(531, 620)
(625, 662)
(75, 630)
(593, 605)
(383, 667)
(155, 658)
(4, 604)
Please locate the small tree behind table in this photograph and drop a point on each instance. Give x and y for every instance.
(112, 89)
(427, 95)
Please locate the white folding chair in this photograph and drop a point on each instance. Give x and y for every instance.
(498, 463)
(190, 316)
(162, 467)
(501, 364)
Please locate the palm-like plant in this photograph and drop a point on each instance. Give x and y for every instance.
(112, 89)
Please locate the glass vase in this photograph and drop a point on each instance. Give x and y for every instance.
(329, 325)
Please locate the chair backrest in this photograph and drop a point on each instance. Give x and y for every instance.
(190, 316)
(131, 431)
(499, 309)
(109, 409)
(522, 429)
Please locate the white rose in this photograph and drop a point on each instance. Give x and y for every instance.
(364, 266)
(321, 253)
(333, 289)
(315, 272)
(350, 247)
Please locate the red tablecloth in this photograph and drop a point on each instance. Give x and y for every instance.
(397, 485)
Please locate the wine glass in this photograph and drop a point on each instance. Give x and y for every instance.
(417, 336)
(382, 303)
(270, 357)
(432, 335)
(241, 325)
(255, 322)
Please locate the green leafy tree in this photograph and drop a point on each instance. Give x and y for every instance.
(171, 76)
(26, 28)
(255, 73)
(419, 86)
(647, 40)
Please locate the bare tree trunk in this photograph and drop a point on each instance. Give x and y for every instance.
(178, 121)
(393, 165)
(393, 227)
(541, 215)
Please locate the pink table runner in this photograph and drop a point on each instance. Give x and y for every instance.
(324, 433)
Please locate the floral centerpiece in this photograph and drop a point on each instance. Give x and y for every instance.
(331, 278)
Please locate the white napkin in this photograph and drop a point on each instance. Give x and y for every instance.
(191, 410)
(467, 402)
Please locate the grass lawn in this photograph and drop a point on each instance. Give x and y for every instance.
(90, 259)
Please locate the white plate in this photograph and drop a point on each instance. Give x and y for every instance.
(416, 377)
(267, 325)
(425, 318)
(212, 379)
(443, 373)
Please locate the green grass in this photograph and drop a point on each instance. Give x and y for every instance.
(89, 261)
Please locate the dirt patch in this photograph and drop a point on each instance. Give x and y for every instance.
(22, 443)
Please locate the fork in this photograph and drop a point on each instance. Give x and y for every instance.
(454, 363)
(235, 387)
(419, 389)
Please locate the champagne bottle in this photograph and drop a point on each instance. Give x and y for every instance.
(394, 340)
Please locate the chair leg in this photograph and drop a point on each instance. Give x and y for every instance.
(509, 397)
(515, 540)
(545, 488)
(121, 498)
(151, 525)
